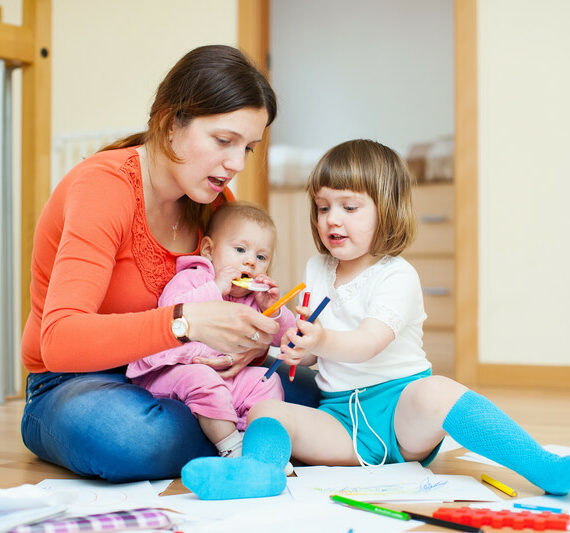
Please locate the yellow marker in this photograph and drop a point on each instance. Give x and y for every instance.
(498, 485)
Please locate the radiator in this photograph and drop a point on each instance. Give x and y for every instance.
(70, 148)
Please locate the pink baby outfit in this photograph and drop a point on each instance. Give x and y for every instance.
(171, 373)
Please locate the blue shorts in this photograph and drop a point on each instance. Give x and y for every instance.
(379, 404)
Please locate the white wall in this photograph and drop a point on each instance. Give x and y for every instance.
(109, 56)
(381, 69)
(524, 180)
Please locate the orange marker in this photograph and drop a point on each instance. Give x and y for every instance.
(282, 301)
(293, 368)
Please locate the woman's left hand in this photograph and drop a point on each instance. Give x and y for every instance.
(230, 365)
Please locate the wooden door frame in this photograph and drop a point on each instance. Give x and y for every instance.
(253, 40)
(29, 46)
(466, 193)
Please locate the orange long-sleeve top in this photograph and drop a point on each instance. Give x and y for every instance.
(97, 272)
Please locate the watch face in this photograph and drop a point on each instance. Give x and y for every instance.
(179, 327)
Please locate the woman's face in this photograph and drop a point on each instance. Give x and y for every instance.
(214, 148)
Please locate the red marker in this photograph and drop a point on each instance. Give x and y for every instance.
(292, 368)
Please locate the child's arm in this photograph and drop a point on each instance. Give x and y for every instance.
(355, 346)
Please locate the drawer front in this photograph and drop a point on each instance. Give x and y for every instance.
(290, 212)
(440, 350)
(434, 207)
(433, 199)
(437, 276)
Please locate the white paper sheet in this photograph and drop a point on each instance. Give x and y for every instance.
(301, 518)
(476, 458)
(558, 449)
(449, 444)
(29, 503)
(395, 482)
(191, 506)
(89, 496)
(390, 472)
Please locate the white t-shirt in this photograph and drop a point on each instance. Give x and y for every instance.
(388, 291)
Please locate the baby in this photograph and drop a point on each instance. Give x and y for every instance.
(239, 241)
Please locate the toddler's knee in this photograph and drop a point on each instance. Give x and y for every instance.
(435, 395)
(264, 408)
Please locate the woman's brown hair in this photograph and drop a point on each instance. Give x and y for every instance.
(208, 80)
(369, 167)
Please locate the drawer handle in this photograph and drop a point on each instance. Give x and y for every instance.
(436, 291)
(433, 219)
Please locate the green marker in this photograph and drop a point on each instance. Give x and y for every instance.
(369, 507)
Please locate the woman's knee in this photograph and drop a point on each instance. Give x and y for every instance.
(120, 432)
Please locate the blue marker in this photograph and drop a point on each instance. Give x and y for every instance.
(312, 318)
(536, 508)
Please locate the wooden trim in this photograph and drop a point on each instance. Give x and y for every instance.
(466, 193)
(253, 40)
(36, 134)
(16, 44)
(524, 376)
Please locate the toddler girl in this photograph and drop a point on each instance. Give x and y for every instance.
(379, 402)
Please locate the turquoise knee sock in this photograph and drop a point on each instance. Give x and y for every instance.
(483, 428)
(256, 474)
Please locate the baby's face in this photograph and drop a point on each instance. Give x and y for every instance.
(244, 245)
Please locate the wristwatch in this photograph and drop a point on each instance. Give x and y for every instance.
(179, 325)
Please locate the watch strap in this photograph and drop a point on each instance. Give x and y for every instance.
(179, 313)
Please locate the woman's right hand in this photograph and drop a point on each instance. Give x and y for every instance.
(229, 327)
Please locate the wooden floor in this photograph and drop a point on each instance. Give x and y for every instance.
(545, 414)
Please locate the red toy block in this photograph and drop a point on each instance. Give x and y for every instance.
(499, 519)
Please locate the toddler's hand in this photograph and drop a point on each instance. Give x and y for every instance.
(303, 345)
(224, 278)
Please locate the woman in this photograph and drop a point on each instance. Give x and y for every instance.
(105, 246)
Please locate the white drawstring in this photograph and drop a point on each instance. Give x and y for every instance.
(354, 420)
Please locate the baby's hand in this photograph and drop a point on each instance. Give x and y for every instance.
(303, 345)
(224, 279)
(265, 299)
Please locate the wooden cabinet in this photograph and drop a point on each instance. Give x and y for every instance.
(289, 208)
(432, 254)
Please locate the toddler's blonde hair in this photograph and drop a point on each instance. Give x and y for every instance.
(366, 166)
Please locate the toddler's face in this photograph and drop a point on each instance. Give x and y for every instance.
(347, 222)
(244, 245)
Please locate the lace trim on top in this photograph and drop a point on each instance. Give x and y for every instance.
(343, 294)
(346, 292)
(388, 316)
(156, 264)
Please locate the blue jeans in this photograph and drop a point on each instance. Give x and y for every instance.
(98, 424)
